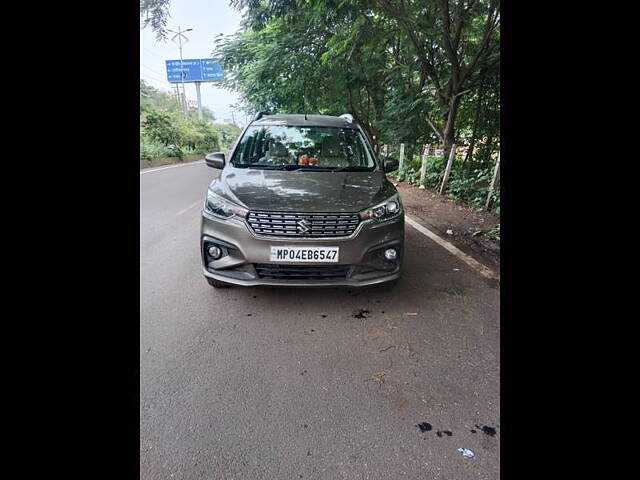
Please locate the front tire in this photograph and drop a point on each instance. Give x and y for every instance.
(216, 283)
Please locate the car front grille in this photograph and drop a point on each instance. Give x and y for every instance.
(302, 272)
(282, 224)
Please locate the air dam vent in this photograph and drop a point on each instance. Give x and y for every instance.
(281, 224)
(302, 272)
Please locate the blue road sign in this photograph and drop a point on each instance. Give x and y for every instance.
(211, 72)
(193, 70)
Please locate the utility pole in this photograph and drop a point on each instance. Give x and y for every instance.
(178, 99)
(199, 100)
(180, 35)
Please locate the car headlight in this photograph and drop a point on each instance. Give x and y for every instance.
(385, 210)
(216, 205)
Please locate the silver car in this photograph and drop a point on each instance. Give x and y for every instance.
(302, 200)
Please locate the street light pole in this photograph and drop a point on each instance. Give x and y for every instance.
(180, 35)
(184, 95)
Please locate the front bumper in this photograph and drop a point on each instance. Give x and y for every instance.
(243, 249)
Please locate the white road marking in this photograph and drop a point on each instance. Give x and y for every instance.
(477, 266)
(151, 170)
(199, 202)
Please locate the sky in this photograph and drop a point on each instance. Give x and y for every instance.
(207, 18)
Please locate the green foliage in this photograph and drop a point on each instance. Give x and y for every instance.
(490, 233)
(164, 132)
(153, 98)
(409, 71)
(228, 135)
(410, 172)
(199, 136)
(162, 126)
(152, 149)
(154, 13)
(469, 186)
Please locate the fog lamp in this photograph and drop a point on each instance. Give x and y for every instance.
(215, 252)
(390, 254)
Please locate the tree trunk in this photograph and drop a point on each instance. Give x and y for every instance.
(449, 132)
(476, 124)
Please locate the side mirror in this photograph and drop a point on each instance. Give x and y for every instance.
(215, 160)
(390, 164)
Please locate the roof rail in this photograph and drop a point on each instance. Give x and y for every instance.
(259, 115)
(347, 116)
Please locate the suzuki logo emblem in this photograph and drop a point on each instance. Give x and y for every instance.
(304, 226)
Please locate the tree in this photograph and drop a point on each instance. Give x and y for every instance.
(300, 58)
(152, 97)
(400, 64)
(451, 46)
(154, 13)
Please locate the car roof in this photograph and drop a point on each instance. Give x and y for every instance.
(297, 120)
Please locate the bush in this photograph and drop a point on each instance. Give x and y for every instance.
(208, 139)
(410, 171)
(467, 186)
(228, 135)
(472, 187)
(166, 134)
(161, 126)
(151, 149)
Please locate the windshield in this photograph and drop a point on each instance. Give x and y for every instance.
(308, 148)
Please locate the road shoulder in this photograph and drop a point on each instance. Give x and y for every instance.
(454, 222)
(161, 162)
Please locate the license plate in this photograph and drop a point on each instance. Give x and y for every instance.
(305, 254)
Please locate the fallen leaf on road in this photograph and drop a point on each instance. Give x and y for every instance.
(377, 333)
(378, 377)
(400, 402)
(410, 348)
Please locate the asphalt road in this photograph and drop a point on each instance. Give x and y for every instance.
(265, 383)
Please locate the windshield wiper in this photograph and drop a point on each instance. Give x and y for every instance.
(350, 168)
(312, 169)
(272, 167)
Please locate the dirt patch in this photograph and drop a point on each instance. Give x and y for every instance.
(361, 313)
(442, 214)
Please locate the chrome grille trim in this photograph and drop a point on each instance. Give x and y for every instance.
(285, 224)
